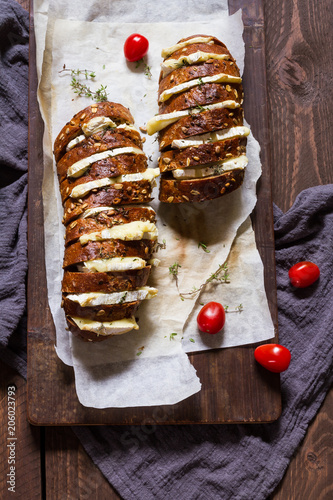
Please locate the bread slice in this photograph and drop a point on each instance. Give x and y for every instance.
(110, 141)
(101, 313)
(76, 253)
(194, 124)
(200, 95)
(80, 282)
(107, 218)
(198, 190)
(203, 154)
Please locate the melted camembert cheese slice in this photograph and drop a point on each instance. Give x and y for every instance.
(106, 328)
(190, 59)
(94, 299)
(82, 190)
(159, 122)
(220, 78)
(202, 171)
(218, 135)
(78, 168)
(132, 231)
(112, 210)
(114, 264)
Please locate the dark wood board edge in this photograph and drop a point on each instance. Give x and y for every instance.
(67, 410)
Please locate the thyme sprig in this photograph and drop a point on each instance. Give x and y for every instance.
(239, 308)
(203, 246)
(146, 68)
(219, 276)
(173, 270)
(82, 89)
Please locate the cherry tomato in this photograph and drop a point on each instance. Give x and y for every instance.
(211, 318)
(135, 47)
(303, 274)
(273, 357)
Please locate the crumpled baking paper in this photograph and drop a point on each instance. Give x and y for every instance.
(148, 366)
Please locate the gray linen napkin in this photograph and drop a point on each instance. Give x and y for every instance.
(242, 462)
(14, 39)
(186, 462)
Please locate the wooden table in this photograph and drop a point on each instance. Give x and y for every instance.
(51, 462)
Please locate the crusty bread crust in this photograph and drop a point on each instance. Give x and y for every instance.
(101, 313)
(75, 282)
(76, 253)
(198, 190)
(203, 154)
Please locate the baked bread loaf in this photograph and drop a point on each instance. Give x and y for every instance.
(202, 138)
(110, 231)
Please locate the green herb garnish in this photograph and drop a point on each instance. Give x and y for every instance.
(82, 89)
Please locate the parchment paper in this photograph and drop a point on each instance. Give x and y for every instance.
(113, 373)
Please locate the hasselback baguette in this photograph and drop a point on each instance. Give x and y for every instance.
(202, 138)
(110, 236)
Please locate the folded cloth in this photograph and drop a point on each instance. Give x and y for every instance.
(186, 462)
(14, 56)
(242, 461)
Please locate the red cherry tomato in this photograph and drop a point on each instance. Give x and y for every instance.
(211, 318)
(273, 357)
(135, 47)
(303, 274)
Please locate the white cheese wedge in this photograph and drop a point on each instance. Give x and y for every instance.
(159, 122)
(132, 231)
(96, 210)
(97, 124)
(112, 265)
(82, 189)
(94, 299)
(220, 78)
(198, 39)
(106, 327)
(197, 57)
(219, 135)
(78, 168)
(74, 142)
(124, 126)
(216, 169)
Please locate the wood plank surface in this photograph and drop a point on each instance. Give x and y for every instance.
(249, 393)
(19, 441)
(70, 473)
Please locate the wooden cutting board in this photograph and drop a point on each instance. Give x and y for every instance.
(235, 389)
